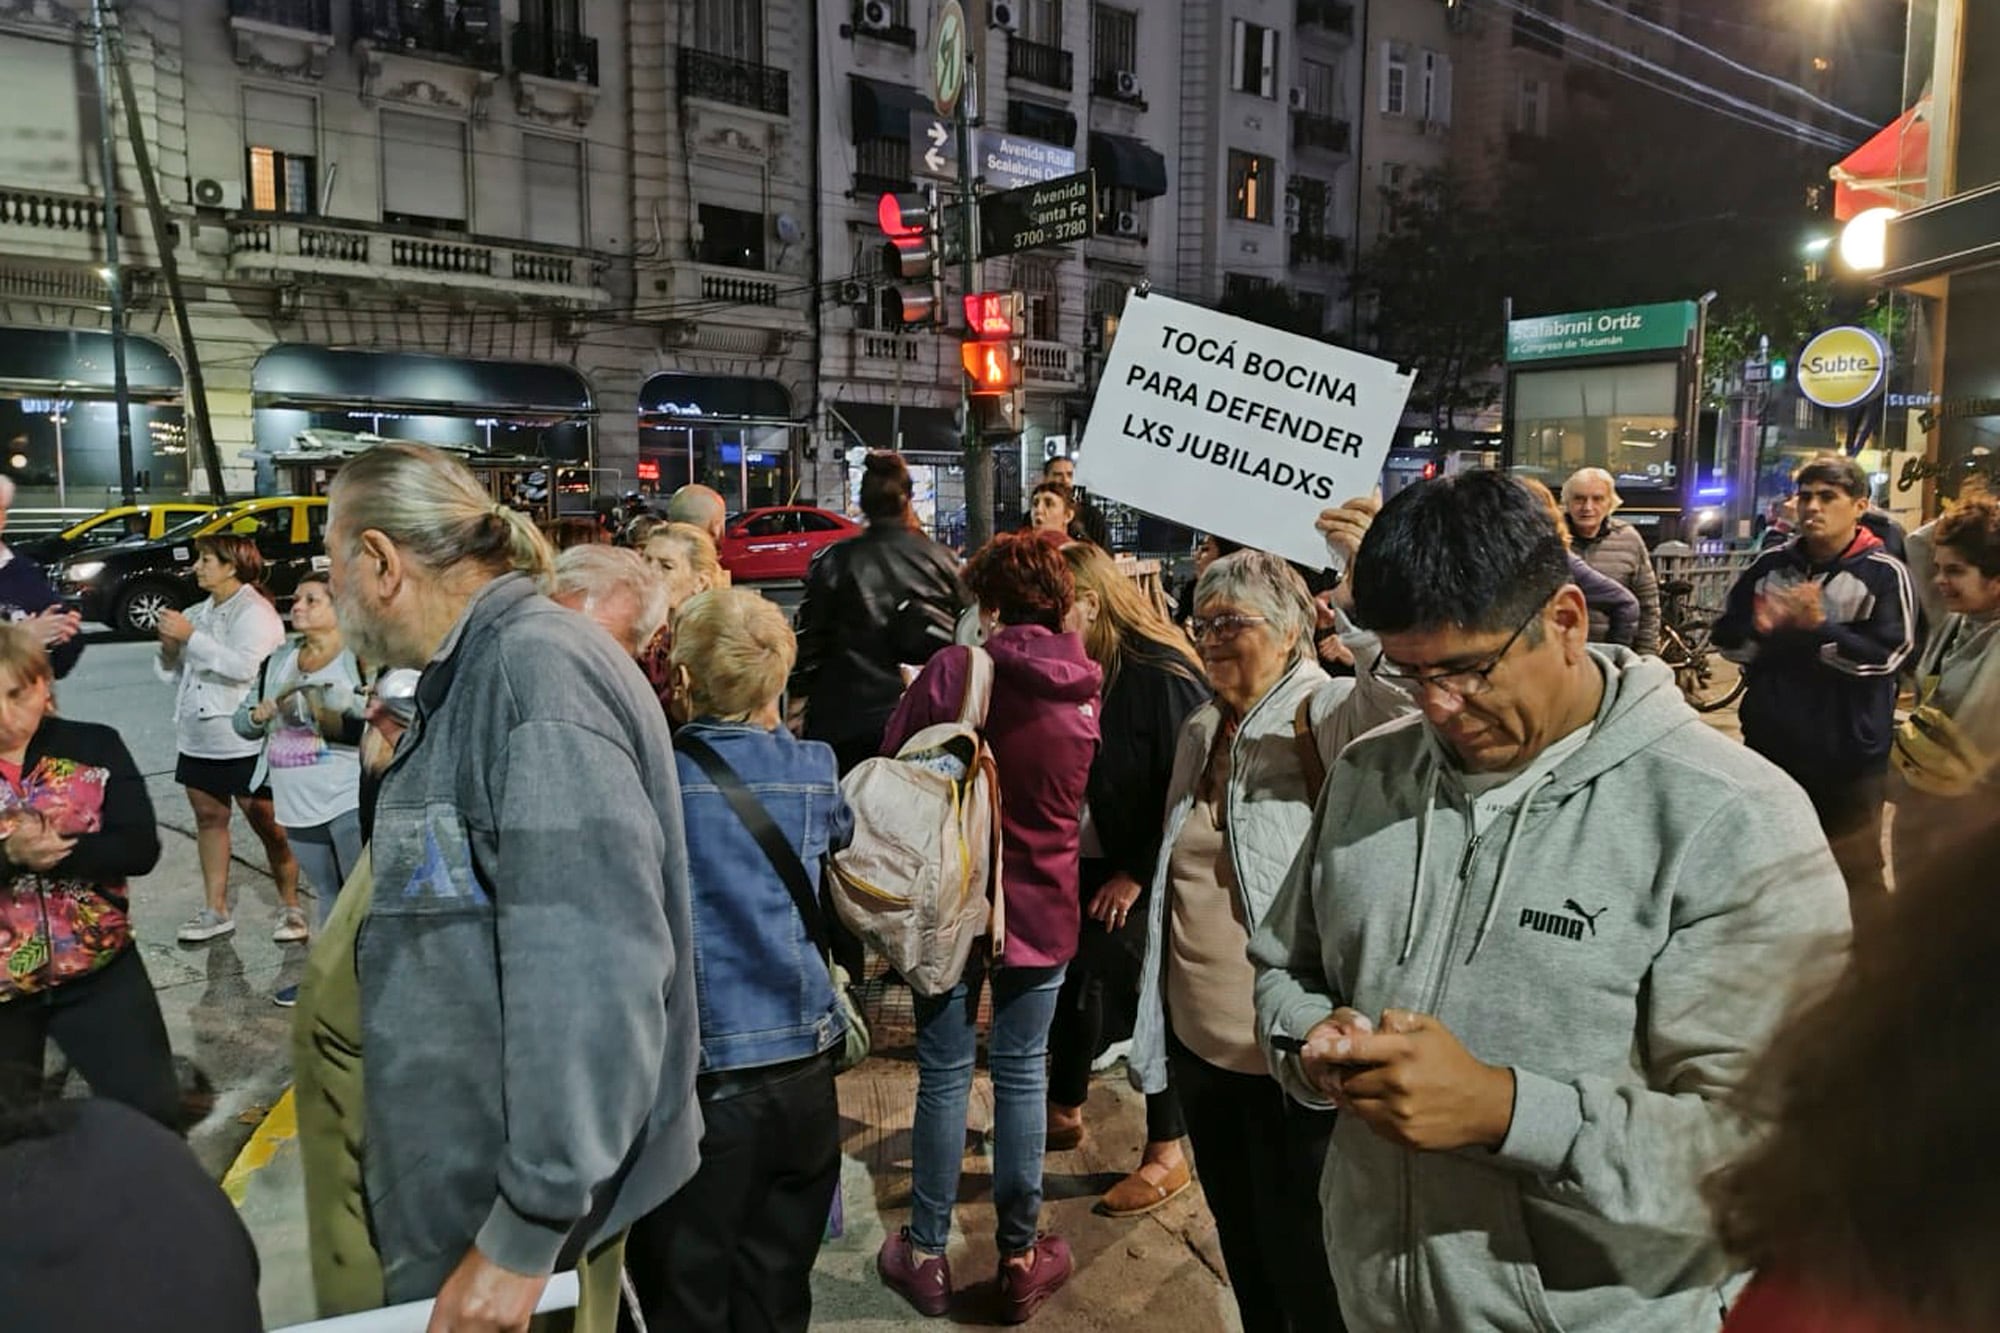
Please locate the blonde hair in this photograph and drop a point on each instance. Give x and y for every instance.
(432, 507)
(1124, 615)
(737, 649)
(589, 572)
(699, 545)
(1548, 499)
(23, 654)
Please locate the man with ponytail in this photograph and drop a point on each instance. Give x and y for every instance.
(527, 1010)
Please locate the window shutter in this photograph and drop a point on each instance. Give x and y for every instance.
(43, 143)
(1269, 86)
(553, 190)
(1442, 113)
(423, 166)
(1388, 63)
(284, 121)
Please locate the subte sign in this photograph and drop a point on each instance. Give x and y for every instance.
(1053, 213)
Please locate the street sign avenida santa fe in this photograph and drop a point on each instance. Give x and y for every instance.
(1053, 213)
(948, 58)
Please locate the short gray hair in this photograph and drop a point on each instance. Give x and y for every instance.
(1267, 586)
(430, 505)
(1593, 474)
(589, 572)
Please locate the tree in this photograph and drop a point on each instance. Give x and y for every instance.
(1435, 283)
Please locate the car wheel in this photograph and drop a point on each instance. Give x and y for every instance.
(139, 608)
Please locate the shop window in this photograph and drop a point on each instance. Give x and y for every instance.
(1252, 178)
(1254, 60)
(1624, 419)
(731, 237)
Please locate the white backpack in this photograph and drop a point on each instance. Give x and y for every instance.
(921, 880)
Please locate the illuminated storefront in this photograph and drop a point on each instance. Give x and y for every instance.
(59, 417)
(733, 433)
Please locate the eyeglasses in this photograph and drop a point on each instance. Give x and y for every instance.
(1224, 628)
(1462, 682)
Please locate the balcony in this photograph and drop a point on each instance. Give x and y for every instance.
(897, 34)
(551, 53)
(890, 356)
(421, 31)
(311, 251)
(733, 82)
(1309, 250)
(1050, 66)
(1052, 365)
(46, 225)
(1334, 16)
(1326, 133)
(1532, 32)
(282, 36)
(739, 298)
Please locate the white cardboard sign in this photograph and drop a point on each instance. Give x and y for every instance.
(1237, 429)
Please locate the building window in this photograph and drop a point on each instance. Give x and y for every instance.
(1310, 201)
(552, 190)
(1531, 106)
(1255, 60)
(1041, 22)
(424, 171)
(1434, 89)
(1251, 181)
(1395, 175)
(730, 237)
(733, 28)
(1321, 84)
(1036, 120)
(881, 165)
(1395, 79)
(1038, 283)
(1241, 287)
(281, 182)
(1116, 48)
(281, 135)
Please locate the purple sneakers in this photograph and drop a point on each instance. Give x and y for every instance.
(924, 1280)
(1023, 1289)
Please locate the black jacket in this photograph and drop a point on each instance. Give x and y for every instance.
(872, 603)
(24, 592)
(1141, 726)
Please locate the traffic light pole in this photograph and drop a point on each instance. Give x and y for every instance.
(978, 460)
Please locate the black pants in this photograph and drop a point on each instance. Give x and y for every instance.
(1260, 1154)
(733, 1251)
(109, 1027)
(1104, 974)
(1850, 813)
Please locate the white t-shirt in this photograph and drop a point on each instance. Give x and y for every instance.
(306, 795)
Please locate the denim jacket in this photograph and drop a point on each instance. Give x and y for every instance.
(763, 989)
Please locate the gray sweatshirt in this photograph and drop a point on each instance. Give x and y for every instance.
(529, 1031)
(1625, 938)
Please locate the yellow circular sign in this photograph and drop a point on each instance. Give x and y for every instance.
(1843, 367)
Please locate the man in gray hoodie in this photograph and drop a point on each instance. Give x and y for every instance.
(1535, 938)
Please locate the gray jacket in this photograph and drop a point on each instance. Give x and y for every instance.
(1619, 552)
(527, 1004)
(1624, 939)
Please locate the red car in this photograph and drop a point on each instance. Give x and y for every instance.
(779, 543)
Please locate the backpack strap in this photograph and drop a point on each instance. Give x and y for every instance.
(1308, 747)
(763, 829)
(978, 687)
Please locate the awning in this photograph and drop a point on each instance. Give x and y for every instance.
(1125, 163)
(715, 399)
(883, 110)
(302, 375)
(926, 430)
(78, 362)
(1891, 170)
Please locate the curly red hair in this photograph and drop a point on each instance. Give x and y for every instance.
(1022, 579)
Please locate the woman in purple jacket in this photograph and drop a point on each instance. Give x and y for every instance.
(1042, 729)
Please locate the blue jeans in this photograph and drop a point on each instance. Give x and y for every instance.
(1017, 1055)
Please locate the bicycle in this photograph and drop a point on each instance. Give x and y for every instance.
(1707, 680)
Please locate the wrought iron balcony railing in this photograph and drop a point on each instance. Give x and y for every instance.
(742, 83)
(1050, 66)
(551, 53)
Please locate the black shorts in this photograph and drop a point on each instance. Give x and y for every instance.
(220, 778)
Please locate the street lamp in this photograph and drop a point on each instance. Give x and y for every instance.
(1864, 242)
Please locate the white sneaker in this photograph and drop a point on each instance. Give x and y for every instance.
(291, 926)
(205, 925)
(1110, 1056)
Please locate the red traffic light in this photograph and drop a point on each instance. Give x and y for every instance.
(993, 364)
(995, 314)
(903, 214)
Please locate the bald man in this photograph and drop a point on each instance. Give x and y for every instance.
(700, 505)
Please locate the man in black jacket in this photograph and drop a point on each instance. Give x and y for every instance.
(27, 599)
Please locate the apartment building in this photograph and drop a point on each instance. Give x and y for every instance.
(551, 227)
(1407, 102)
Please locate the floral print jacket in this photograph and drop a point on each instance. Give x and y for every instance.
(68, 921)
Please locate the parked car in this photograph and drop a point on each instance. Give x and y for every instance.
(117, 524)
(128, 586)
(779, 542)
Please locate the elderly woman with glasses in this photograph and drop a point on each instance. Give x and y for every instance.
(1246, 773)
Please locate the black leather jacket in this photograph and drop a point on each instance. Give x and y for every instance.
(872, 602)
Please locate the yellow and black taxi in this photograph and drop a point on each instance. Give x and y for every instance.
(120, 523)
(128, 586)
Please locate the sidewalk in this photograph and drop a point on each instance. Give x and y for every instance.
(1159, 1272)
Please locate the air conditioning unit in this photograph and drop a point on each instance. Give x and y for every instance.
(852, 292)
(876, 16)
(1128, 83)
(1292, 205)
(212, 193)
(1093, 337)
(1004, 15)
(1296, 99)
(1292, 223)
(1126, 224)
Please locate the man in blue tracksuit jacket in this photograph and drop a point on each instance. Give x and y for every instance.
(1822, 625)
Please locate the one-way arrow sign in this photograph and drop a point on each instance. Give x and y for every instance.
(934, 156)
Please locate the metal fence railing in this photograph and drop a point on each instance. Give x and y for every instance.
(1710, 572)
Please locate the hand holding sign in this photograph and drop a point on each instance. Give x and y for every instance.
(1237, 429)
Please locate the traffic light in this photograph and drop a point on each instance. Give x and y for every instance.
(912, 260)
(992, 354)
(1780, 368)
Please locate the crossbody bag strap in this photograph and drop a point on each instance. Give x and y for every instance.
(763, 829)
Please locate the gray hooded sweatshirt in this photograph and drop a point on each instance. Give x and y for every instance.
(1624, 938)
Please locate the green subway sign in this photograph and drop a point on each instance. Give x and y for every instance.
(1637, 328)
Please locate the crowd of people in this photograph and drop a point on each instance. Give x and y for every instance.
(1475, 979)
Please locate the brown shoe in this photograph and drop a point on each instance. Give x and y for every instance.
(1139, 1194)
(1064, 1137)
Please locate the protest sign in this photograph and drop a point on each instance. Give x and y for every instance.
(1237, 429)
